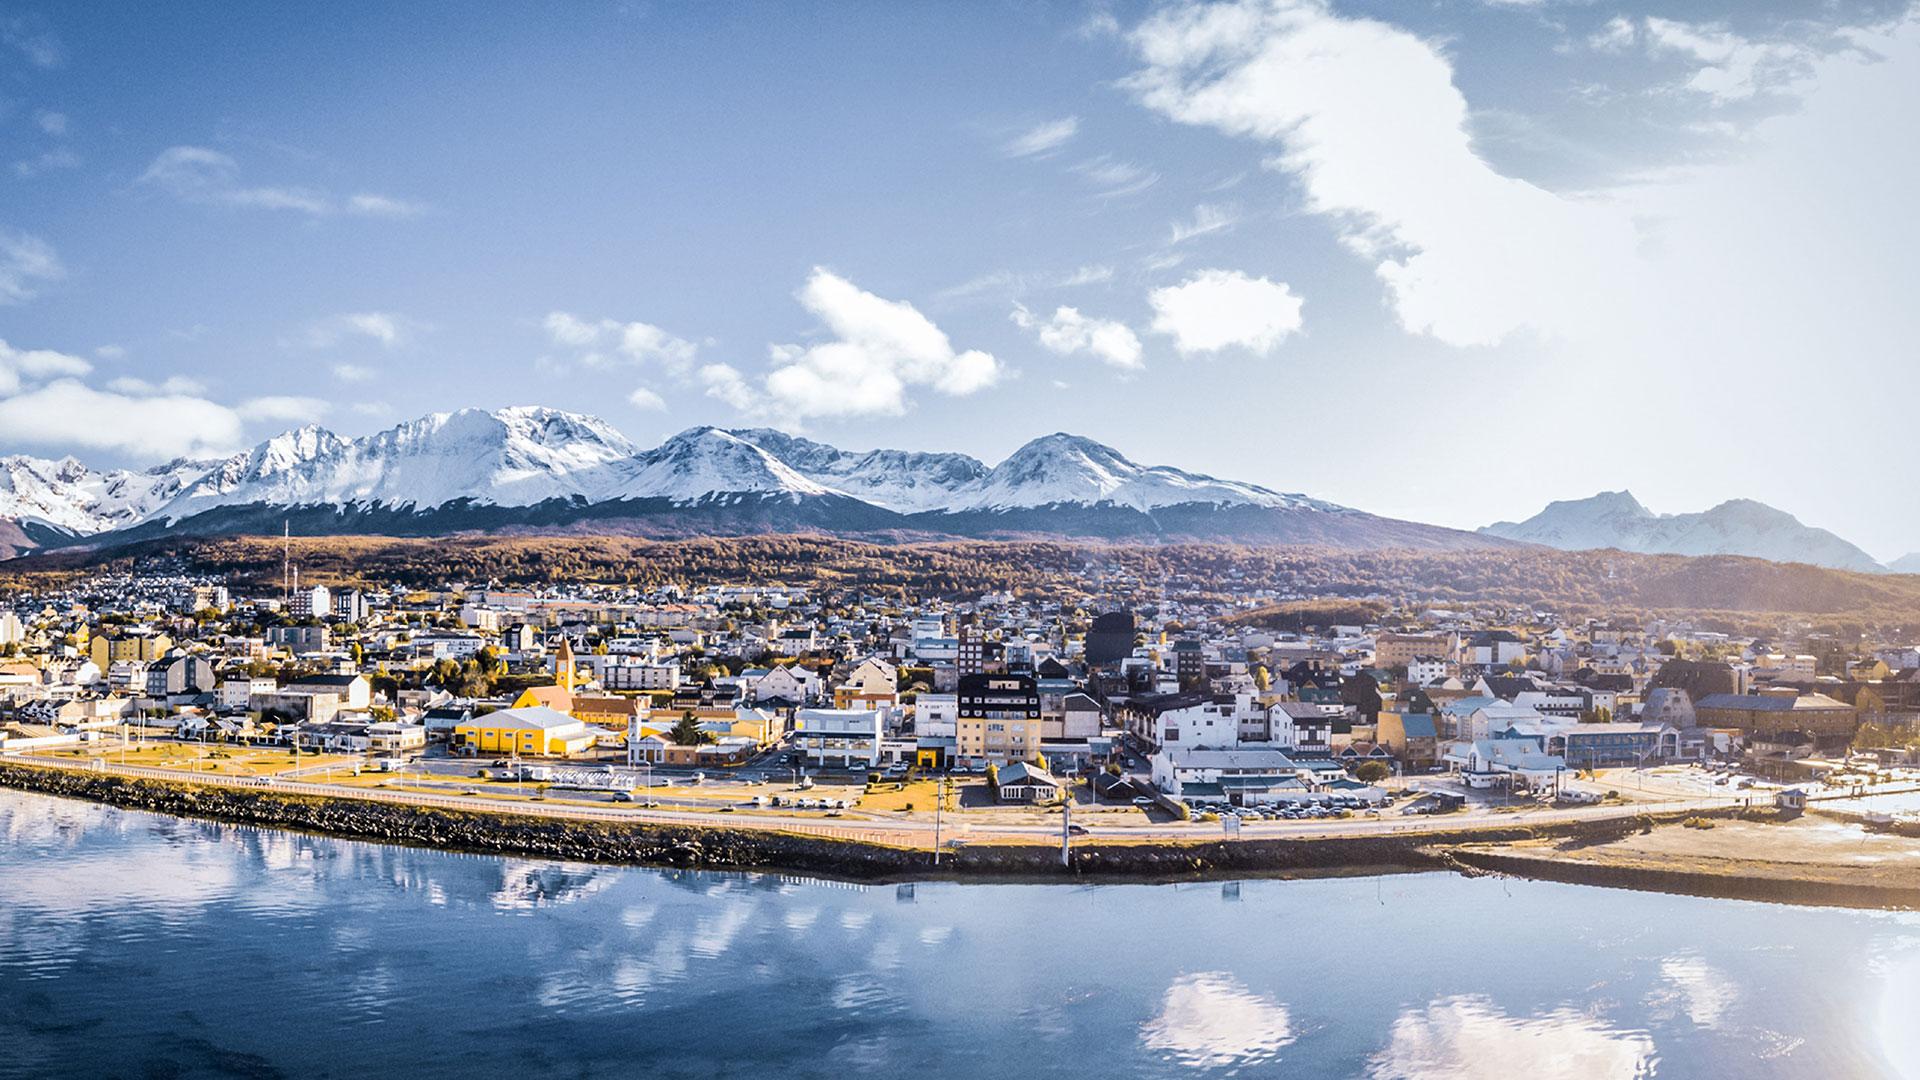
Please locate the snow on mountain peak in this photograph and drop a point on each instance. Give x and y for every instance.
(706, 461)
(1061, 468)
(904, 481)
(1615, 519)
(524, 456)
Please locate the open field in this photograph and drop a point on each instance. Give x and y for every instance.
(225, 760)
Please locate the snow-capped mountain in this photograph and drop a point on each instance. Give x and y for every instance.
(704, 463)
(67, 495)
(904, 481)
(1615, 519)
(513, 457)
(1906, 564)
(534, 470)
(1068, 470)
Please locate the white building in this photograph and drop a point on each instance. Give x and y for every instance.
(936, 715)
(839, 738)
(236, 693)
(633, 673)
(448, 646)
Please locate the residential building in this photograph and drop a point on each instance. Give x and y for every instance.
(1392, 650)
(1776, 718)
(999, 717)
(936, 715)
(300, 639)
(354, 691)
(839, 738)
(1021, 781)
(180, 673)
(1411, 737)
(875, 684)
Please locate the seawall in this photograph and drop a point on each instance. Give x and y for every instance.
(723, 847)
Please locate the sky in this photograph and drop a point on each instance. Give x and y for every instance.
(1444, 261)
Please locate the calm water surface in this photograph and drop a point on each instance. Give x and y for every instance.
(141, 946)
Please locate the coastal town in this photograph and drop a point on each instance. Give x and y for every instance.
(920, 722)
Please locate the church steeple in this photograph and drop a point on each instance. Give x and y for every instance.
(563, 663)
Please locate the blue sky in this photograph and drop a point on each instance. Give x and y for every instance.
(1442, 261)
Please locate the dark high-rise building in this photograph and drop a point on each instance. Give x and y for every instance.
(1111, 639)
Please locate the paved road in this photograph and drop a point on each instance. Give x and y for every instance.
(908, 832)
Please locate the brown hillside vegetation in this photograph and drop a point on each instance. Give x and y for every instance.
(1570, 583)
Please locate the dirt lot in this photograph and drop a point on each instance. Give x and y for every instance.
(1807, 849)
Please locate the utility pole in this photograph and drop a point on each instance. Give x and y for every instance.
(939, 800)
(1066, 830)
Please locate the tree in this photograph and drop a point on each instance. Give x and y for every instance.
(686, 731)
(1597, 716)
(993, 777)
(1371, 772)
(1261, 680)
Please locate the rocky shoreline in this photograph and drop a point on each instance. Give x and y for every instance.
(1479, 850)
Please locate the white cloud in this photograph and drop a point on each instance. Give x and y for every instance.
(25, 260)
(30, 35)
(1115, 179)
(608, 342)
(52, 123)
(371, 205)
(1044, 139)
(1367, 119)
(372, 408)
(21, 366)
(881, 349)
(643, 398)
(1732, 67)
(57, 158)
(1087, 275)
(1207, 218)
(281, 409)
(1212, 1021)
(1618, 35)
(175, 385)
(387, 329)
(1455, 1039)
(67, 413)
(196, 174)
(354, 373)
(1219, 309)
(1068, 332)
(110, 352)
(725, 382)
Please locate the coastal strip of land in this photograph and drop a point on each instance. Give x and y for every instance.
(1814, 861)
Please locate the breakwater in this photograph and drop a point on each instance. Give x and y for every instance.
(727, 847)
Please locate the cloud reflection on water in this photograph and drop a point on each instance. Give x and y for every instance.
(1211, 1020)
(1465, 1038)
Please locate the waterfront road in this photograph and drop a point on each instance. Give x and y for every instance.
(957, 828)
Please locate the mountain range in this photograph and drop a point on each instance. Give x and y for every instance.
(1615, 519)
(536, 470)
(528, 470)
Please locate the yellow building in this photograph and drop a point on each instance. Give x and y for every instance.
(103, 650)
(557, 698)
(873, 685)
(536, 731)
